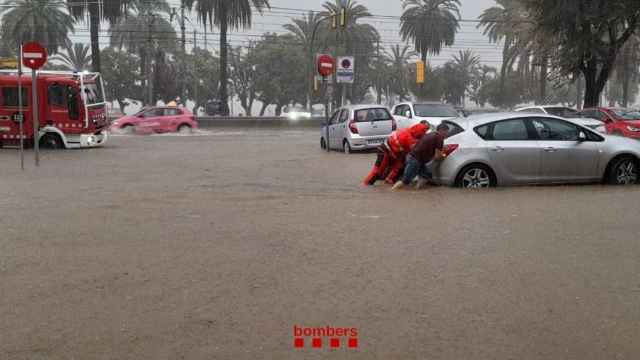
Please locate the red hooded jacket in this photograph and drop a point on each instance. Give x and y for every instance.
(401, 141)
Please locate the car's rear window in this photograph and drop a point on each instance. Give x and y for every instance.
(435, 110)
(454, 129)
(373, 114)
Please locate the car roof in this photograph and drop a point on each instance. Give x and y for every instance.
(364, 106)
(481, 119)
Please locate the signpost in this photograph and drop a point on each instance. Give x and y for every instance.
(34, 56)
(345, 73)
(325, 65)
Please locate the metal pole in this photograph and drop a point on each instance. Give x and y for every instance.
(184, 52)
(149, 62)
(34, 112)
(20, 113)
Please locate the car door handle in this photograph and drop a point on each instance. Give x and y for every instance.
(550, 149)
(497, 149)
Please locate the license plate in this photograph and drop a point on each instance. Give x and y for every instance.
(374, 142)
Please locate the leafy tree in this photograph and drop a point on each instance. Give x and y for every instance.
(226, 15)
(75, 58)
(398, 60)
(121, 76)
(430, 24)
(203, 75)
(624, 87)
(110, 10)
(243, 84)
(588, 36)
(45, 21)
(279, 72)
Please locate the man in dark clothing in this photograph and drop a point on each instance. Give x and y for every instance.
(429, 148)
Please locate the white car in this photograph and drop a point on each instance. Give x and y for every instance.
(408, 114)
(564, 112)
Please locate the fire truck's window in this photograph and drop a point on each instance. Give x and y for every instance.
(72, 102)
(57, 95)
(10, 96)
(93, 94)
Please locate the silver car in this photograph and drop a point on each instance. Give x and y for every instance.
(357, 127)
(514, 149)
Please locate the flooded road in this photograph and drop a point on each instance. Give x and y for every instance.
(215, 246)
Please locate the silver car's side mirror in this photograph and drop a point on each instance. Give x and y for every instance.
(582, 137)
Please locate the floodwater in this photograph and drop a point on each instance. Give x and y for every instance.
(215, 246)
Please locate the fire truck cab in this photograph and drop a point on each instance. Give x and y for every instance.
(71, 110)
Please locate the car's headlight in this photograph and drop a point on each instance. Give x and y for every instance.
(633, 128)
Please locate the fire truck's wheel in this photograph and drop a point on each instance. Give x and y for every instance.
(51, 141)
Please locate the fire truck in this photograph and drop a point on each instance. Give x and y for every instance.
(71, 110)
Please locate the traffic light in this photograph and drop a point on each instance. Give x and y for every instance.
(420, 72)
(343, 17)
(334, 20)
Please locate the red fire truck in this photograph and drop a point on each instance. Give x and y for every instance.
(71, 108)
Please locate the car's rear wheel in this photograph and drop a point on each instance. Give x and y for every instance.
(128, 129)
(346, 147)
(624, 171)
(476, 176)
(184, 129)
(51, 141)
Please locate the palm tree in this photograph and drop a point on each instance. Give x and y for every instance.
(226, 14)
(430, 24)
(110, 10)
(354, 39)
(147, 33)
(507, 22)
(398, 59)
(302, 29)
(467, 64)
(44, 21)
(76, 58)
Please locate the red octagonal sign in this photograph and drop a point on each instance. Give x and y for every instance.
(326, 65)
(34, 56)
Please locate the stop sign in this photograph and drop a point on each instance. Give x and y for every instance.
(34, 56)
(326, 65)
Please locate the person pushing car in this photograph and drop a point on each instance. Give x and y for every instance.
(429, 148)
(392, 153)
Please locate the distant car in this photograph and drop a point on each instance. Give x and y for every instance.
(297, 114)
(561, 111)
(616, 121)
(357, 127)
(409, 114)
(520, 148)
(564, 112)
(157, 120)
(216, 108)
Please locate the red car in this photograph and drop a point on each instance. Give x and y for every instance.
(157, 120)
(617, 121)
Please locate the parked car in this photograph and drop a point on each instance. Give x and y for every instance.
(409, 114)
(516, 148)
(357, 127)
(561, 111)
(216, 108)
(157, 120)
(616, 121)
(564, 112)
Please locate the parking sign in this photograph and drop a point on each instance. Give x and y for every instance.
(345, 72)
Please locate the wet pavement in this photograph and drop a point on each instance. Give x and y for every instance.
(215, 246)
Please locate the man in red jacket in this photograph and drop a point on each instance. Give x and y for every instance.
(392, 153)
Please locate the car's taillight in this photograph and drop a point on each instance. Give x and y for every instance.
(449, 148)
(353, 127)
(394, 126)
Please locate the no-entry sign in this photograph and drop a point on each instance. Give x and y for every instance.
(34, 56)
(326, 65)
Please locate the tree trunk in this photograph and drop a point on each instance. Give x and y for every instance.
(543, 79)
(94, 25)
(503, 68)
(263, 108)
(595, 82)
(626, 79)
(278, 110)
(224, 96)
